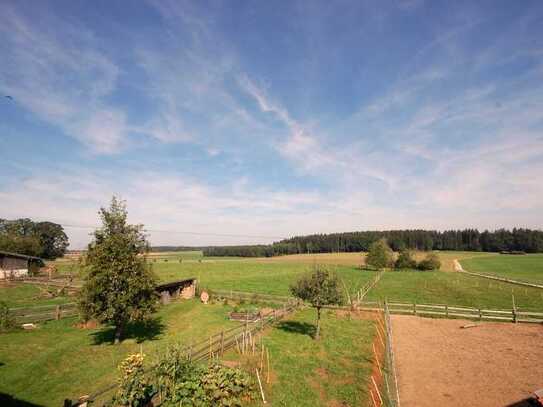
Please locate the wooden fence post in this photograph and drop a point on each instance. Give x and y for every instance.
(57, 312)
(222, 342)
(447, 310)
(414, 308)
(514, 309)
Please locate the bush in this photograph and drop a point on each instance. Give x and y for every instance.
(431, 262)
(405, 260)
(174, 380)
(380, 255)
(134, 388)
(7, 321)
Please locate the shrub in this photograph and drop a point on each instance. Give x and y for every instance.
(380, 255)
(180, 382)
(430, 262)
(134, 388)
(7, 321)
(405, 260)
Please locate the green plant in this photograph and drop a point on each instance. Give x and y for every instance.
(177, 379)
(224, 386)
(119, 286)
(180, 382)
(380, 255)
(430, 262)
(320, 288)
(134, 388)
(7, 321)
(405, 260)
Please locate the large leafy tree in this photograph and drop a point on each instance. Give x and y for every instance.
(320, 288)
(380, 255)
(53, 240)
(43, 239)
(119, 286)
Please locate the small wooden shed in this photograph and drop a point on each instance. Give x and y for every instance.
(177, 289)
(14, 265)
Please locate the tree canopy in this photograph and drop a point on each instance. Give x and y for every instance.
(41, 239)
(119, 286)
(380, 255)
(320, 288)
(518, 239)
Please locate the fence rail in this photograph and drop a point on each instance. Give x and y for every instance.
(449, 311)
(43, 312)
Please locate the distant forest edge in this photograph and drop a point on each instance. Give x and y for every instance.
(523, 240)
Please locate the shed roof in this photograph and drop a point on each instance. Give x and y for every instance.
(175, 284)
(19, 256)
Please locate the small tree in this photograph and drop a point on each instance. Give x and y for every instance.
(319, 288)
(380, 255)
(430, 262)
(405, 260)
(119, 286)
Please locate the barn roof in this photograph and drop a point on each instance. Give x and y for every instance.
(175, 284)
(19, 256)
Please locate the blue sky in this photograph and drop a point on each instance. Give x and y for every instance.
(269, 119)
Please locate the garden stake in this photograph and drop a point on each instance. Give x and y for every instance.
(260, 385)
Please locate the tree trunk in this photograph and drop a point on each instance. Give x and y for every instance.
(119, 328)
(318, 333)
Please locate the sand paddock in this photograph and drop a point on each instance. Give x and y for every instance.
(441, 364)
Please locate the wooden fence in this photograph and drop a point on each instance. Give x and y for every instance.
(367, 287)
(43, 312)
(210, 348)
(449, 311)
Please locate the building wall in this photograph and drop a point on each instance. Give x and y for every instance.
(12, 267)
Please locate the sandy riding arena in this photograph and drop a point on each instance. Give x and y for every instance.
(441, 364)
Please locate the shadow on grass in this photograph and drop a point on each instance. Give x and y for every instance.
(140, 331)
(7, 400)
(302, 328)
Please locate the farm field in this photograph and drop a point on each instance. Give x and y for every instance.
(436, 287)
(59, 360)
(527, 268)
(58, 349)
(265, 278)
(333, 371)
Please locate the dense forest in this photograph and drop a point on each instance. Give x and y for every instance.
(526, 240)
(42, 239)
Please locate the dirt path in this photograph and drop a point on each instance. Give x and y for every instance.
(441, 364)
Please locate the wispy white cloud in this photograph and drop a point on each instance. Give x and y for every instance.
(61, 80)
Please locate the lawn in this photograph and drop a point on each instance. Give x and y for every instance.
(333, 371)
(259, 277)
(28, 295)
(59, 360)
(434, 287)
(528, 268)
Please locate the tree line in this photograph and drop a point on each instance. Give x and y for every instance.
(41, 239)
(517, 239)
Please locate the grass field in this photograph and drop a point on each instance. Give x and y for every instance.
(528, 268)
(27, 295)
(59, 360)
(333, 371)
(266, 278)
(454, 289)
